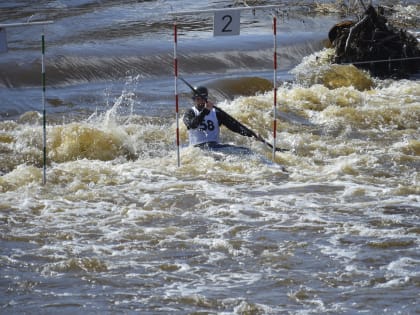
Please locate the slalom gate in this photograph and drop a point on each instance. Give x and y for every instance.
(3, 49)
(227, 23)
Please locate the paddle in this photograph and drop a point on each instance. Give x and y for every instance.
(255, 135)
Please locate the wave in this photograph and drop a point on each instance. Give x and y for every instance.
(344, 130)
(77, 68)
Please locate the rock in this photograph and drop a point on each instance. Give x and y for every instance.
(373, 44)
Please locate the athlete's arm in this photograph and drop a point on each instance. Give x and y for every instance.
(191, 120)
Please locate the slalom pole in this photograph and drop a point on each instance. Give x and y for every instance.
(274, 85)
(44, 119)
(176, 91)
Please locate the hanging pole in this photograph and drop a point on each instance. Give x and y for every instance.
(274, 85)
(176, 91)
(26, 24)
(210, 11)
(44, 118)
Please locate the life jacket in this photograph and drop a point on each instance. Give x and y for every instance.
(207, 131)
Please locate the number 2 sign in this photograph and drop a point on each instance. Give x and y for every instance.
(226, 23)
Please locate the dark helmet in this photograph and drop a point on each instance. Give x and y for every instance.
(200, 91)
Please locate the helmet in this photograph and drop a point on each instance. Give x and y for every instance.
(200, 91)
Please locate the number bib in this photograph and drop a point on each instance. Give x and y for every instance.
(207, 131)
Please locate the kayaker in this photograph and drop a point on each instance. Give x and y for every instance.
(203, 122)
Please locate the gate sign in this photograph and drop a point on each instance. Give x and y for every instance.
(3, 40)
(227, 23)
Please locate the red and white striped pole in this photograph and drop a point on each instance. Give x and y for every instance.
(275, 86)
(176, 92)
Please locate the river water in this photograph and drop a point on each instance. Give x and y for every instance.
(330, 226)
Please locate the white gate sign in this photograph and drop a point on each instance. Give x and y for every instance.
(3, 40)
(227, 23)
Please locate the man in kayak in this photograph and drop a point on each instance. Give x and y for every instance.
(203, 122)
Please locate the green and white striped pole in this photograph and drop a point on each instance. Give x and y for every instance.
(44, 118)
(4, 49)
